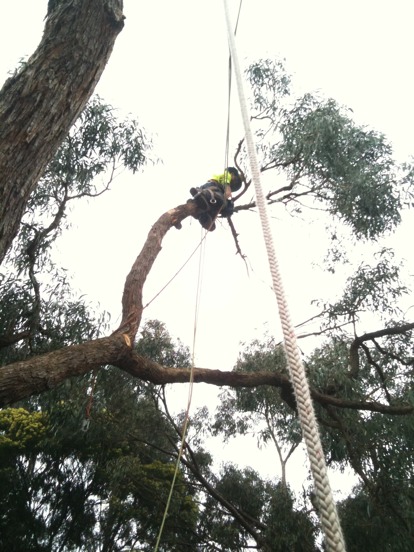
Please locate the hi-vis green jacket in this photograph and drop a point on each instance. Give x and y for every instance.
(228, 178)
(223, 179)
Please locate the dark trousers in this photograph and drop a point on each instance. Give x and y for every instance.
(217, 200)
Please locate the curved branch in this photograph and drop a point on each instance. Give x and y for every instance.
(132, 306)
(371, 336)
(386, 331)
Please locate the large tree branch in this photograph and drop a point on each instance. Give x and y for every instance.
(39, 104)
(22, 379)
(155, 373)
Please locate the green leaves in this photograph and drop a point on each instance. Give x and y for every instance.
(367, 525)
(39, 312)
(288, 528)
(346, 169)
(372, 288)
(21, 430)
(270, 84)
(102, 484)
(98, 143)
(156, 343)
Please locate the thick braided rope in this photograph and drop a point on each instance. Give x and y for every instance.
(327, 508)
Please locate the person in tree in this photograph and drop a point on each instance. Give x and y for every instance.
(214, 197)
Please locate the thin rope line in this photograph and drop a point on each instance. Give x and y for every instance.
(226, 150)
(176, 274)
(328, 512)
(91, 394)
(190, 392)
(198, 293)
(227, 147)
(196, 314)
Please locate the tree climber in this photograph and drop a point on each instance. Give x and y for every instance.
(214, 197)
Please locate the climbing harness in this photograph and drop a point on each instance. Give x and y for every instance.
(328, 512)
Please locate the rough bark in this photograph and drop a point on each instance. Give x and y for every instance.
(36, 375)
(39, 104)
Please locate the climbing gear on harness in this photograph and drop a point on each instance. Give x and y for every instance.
(211, 201)
(210, 198)
(214, 197)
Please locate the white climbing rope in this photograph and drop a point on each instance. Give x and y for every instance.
(327, 508)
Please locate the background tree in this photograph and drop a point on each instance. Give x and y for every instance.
(83, 468)
(88, 466)
(267, 413)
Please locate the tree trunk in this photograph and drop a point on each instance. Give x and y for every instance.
(39, 104)
(36, 375)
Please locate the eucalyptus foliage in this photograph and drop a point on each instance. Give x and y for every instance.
(323, 155)
(38, 308)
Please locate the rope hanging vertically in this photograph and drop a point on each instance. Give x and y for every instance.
(190, 394)
(327, 508)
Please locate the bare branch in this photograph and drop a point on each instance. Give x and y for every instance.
(386, 331)
(321, 332)
(132, 306)
(7, 340)
(392, 355)
(371, 336)
(235, 237)
(378, 369)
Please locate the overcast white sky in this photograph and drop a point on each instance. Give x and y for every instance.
(169, 68)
